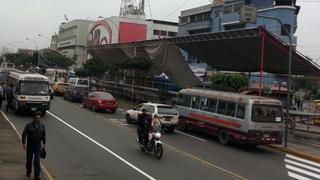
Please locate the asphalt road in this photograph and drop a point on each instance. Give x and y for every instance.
(85, 145)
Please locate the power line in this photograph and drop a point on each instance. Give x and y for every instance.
(180, 6)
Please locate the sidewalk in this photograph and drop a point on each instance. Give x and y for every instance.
(12, 155)
(302, 144)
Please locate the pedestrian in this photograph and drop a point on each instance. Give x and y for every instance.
(1, 95)
(9, 94)
(33, 134)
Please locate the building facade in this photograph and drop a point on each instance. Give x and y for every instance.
(120, 30)
(71, 40)
(225, 15)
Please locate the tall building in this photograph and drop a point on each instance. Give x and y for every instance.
(71, 40)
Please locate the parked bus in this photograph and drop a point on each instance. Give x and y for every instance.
(232, 116)
(30, 92)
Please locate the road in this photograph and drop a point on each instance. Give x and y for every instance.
(85, 145)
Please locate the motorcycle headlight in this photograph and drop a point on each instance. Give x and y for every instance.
(157, 135)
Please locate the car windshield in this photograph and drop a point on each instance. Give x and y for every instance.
(34, 88)
(105, 96)
(266, 113)
(83, 82)
(167, 110)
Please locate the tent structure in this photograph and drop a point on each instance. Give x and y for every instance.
(247, 50)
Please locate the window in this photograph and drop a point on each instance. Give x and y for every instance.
(231, 109)
(222, 105)
(172, 34)
(200, 17)
(237, 7)
(184, 100)
(156, 32)
(151, 109)
(138, 108)
(206, 16)
(193, 18)
(241, 109)
(195, 102)
(227, 9)
(163, 33)
(167, 110)
(234, 26)
(184, 20)
(208, 105)
(284, 28)
(268, 114)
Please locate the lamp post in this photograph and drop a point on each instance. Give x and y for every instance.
(45, 37)
(289, 75)
(35, 42)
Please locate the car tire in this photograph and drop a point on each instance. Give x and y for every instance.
(43, 112)
(170, 129)
(113, 111)
(94, 108)
(128, 118)
(223, 137)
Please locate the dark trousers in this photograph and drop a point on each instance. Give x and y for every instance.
(143, 136)
(33, 154)
(1, 99)
(9, 103)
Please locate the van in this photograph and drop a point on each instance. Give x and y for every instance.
(79, 82)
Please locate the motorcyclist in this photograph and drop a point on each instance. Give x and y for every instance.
(144, 125)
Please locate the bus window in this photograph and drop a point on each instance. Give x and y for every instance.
(208, 105)
(222, 107)
(231, 109)
(264, 113)
(195, 102)
(184, 100)
(240, 111)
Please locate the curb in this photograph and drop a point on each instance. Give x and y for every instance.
(45, 171)
(295, 153)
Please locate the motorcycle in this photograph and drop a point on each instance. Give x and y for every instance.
(154, 145)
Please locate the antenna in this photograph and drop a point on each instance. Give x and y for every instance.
(128, 9)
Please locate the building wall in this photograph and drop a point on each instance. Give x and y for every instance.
(226, 17)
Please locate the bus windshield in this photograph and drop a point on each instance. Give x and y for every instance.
(34, 88)
(266, 113)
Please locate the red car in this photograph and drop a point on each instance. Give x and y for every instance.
(100, 101)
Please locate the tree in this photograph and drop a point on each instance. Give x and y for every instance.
(21, 59)
(229, 82)
(95, 69)
(57, 60)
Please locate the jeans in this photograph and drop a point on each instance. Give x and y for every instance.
(33, 154)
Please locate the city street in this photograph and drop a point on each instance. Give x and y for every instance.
(86, 145)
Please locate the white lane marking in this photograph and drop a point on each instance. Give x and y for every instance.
(191, 136)
(302, 171)
(302, 165)
(302, 160)
(297, 176)
(103, 147)
(11, 124)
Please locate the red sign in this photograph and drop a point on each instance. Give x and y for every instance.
(132, 32)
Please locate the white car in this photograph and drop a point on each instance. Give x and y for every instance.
(168, 115)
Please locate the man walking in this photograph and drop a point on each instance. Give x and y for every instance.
(32, 136)
(9, 94)
(1, 95)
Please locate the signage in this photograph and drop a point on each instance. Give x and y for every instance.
(248, 14)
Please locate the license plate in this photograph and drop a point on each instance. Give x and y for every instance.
(33, 109)
(168, 119)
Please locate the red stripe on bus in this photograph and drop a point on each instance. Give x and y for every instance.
(216, 120)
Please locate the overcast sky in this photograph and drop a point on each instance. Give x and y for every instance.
(28, 18)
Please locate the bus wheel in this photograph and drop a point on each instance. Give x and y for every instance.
(223, 137)
(182, 126)
(43, 112)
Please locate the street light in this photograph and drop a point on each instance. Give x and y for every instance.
(289, 74)
(45, 37)
(35, 42)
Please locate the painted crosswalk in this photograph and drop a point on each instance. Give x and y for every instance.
(302, 169)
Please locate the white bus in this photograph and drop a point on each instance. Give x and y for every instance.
(30, 92)
(56, 75)
(232, 116)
